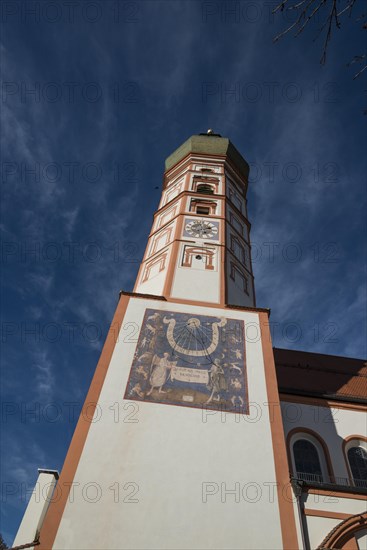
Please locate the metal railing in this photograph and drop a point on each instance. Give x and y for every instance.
(311, 478)
(319, 479)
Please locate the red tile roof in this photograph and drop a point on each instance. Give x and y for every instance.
(318, 375)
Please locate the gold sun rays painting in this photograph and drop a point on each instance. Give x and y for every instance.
(190, 360)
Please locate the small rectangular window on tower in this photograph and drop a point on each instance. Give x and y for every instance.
(203, 210)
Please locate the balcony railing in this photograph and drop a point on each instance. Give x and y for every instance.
(340, 482)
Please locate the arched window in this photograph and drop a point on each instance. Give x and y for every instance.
(205, 189)
(307, 461)
(309, 456)
(357, 458)
(355, 453)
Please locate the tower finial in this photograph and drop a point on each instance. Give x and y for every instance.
(210, 131)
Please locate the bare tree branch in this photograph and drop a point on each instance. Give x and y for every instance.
(358, 59)
(307, 11)
(297, 22)
(310, 17)
(333, 16)
(348, 7)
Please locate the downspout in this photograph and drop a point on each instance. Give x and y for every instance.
(36, 542)
(297, 489)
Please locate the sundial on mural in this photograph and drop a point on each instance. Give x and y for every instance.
(193, 339)
(185, 359)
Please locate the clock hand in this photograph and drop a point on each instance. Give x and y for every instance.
(200, 229)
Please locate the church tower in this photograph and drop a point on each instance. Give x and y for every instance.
(180, 443)
(199, 246)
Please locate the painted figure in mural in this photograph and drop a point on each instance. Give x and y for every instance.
(161, 368)
(138, 390)
(189, 360)
(217, 381)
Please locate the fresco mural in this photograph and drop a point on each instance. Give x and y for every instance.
(190, 360)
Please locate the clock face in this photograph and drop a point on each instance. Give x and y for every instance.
(201, 229)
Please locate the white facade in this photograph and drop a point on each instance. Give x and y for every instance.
(183, 442)
(333, 425)
(332, 430)
(186, 477)
(37, 507)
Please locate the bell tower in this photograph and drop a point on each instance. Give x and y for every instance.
(199, 246)
(180, 442)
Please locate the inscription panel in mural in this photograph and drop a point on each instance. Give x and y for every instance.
(190, 360)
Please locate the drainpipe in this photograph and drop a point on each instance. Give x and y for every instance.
(297, 489)
(36, 509)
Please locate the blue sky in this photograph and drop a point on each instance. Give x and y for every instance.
(117, 86)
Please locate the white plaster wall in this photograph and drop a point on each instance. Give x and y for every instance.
(167, 214)
(172, 190)
(245, 246)
(218, 167)
(362, 539)
(236, 296)
(243, 225)
(230, 230)
(332, 424)
(236, 198)
(157, 237)
(211, 198)
(154, 285)
(329, 503)
(36, 509)
(196, 282)
(318, 528)
(221, 186)
(233, 179)
(169, 452)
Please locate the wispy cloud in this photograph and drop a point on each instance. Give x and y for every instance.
(44, 377)
(88, 234)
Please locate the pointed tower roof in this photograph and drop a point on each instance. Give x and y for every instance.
(209, 144)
